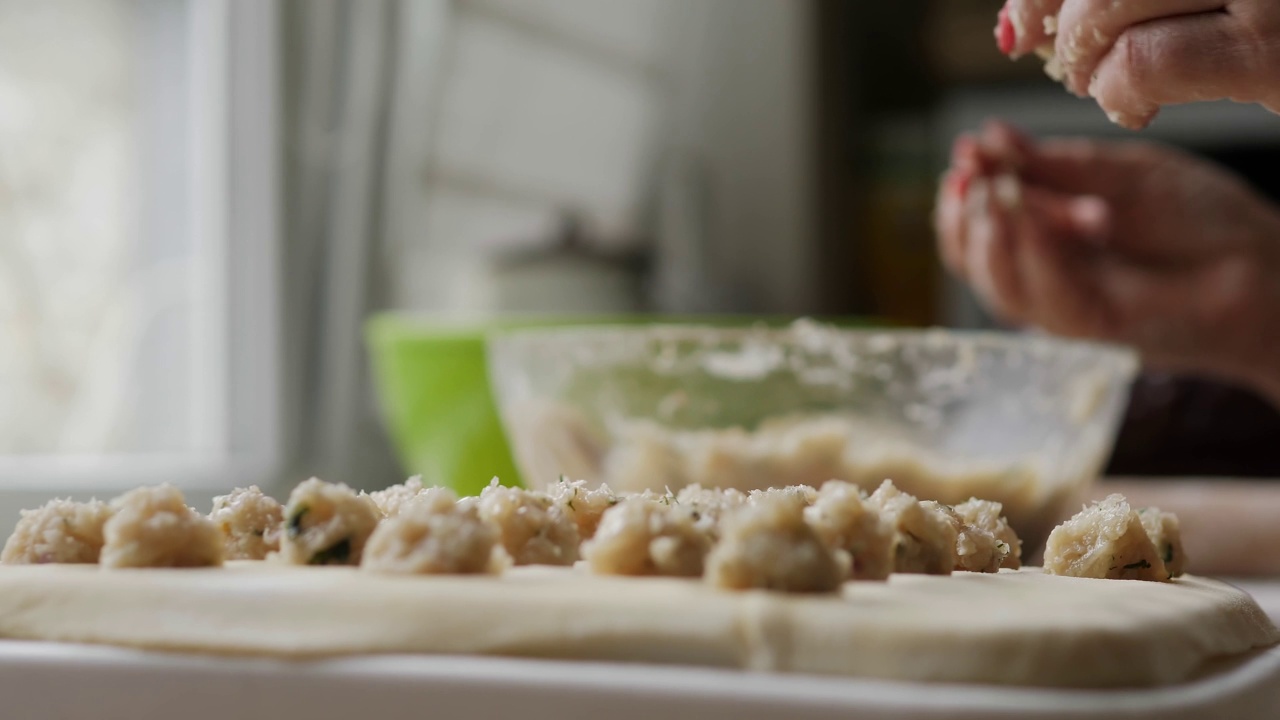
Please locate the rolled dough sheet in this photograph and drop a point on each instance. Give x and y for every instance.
(1013, 628)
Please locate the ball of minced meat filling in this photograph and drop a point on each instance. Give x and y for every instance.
(644, 537)
(806, 494)
(844, 521)
(434, 538)
(977, 549)
(390, 500)
(250, 523)
(326, 524)
(535, 529)
(153, 527)
(1166, 534)
(766, 544)
(989, 516)
(61, 531)
(585, 506)
(924, 539)
(1105, 540)
(438, 499)
(710, 505)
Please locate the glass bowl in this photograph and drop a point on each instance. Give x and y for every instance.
(1025, 420)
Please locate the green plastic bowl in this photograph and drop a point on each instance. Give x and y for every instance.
(432, 383)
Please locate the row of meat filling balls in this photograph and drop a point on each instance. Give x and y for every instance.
(797, 539)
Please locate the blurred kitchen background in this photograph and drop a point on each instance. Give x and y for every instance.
(202, 201)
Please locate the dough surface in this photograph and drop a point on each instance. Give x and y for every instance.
(1011, 628)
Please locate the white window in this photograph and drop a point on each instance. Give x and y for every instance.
(138, 274)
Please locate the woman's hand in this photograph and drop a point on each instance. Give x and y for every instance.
(1126, 242)
(1135, 56)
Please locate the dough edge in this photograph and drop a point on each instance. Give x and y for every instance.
(1018, 628)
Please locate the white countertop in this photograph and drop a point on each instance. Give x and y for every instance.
(44, 680)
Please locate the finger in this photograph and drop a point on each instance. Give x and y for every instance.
(1085, 219)
(949, 223)
(1004, 146)
(1090, 216)
(949, 218)
(1062, 286)
(993, 222)
(1087, 30)
(1081, 166)
(1189, 59)
(969, 156)
(1022, 25)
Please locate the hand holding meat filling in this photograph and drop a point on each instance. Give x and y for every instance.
(1135, 56)
(1126, 242)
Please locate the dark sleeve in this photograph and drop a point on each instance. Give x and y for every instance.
(1190, 426)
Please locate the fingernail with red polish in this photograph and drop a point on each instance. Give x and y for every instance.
(1006, 33)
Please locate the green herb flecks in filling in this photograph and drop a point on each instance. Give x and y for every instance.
(295, 521)
(337, 554)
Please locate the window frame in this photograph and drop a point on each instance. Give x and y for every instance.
(234, 55)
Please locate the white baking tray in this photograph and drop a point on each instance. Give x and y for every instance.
(49, 680)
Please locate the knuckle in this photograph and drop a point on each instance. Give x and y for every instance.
(1129, 54)
(1137, 55)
